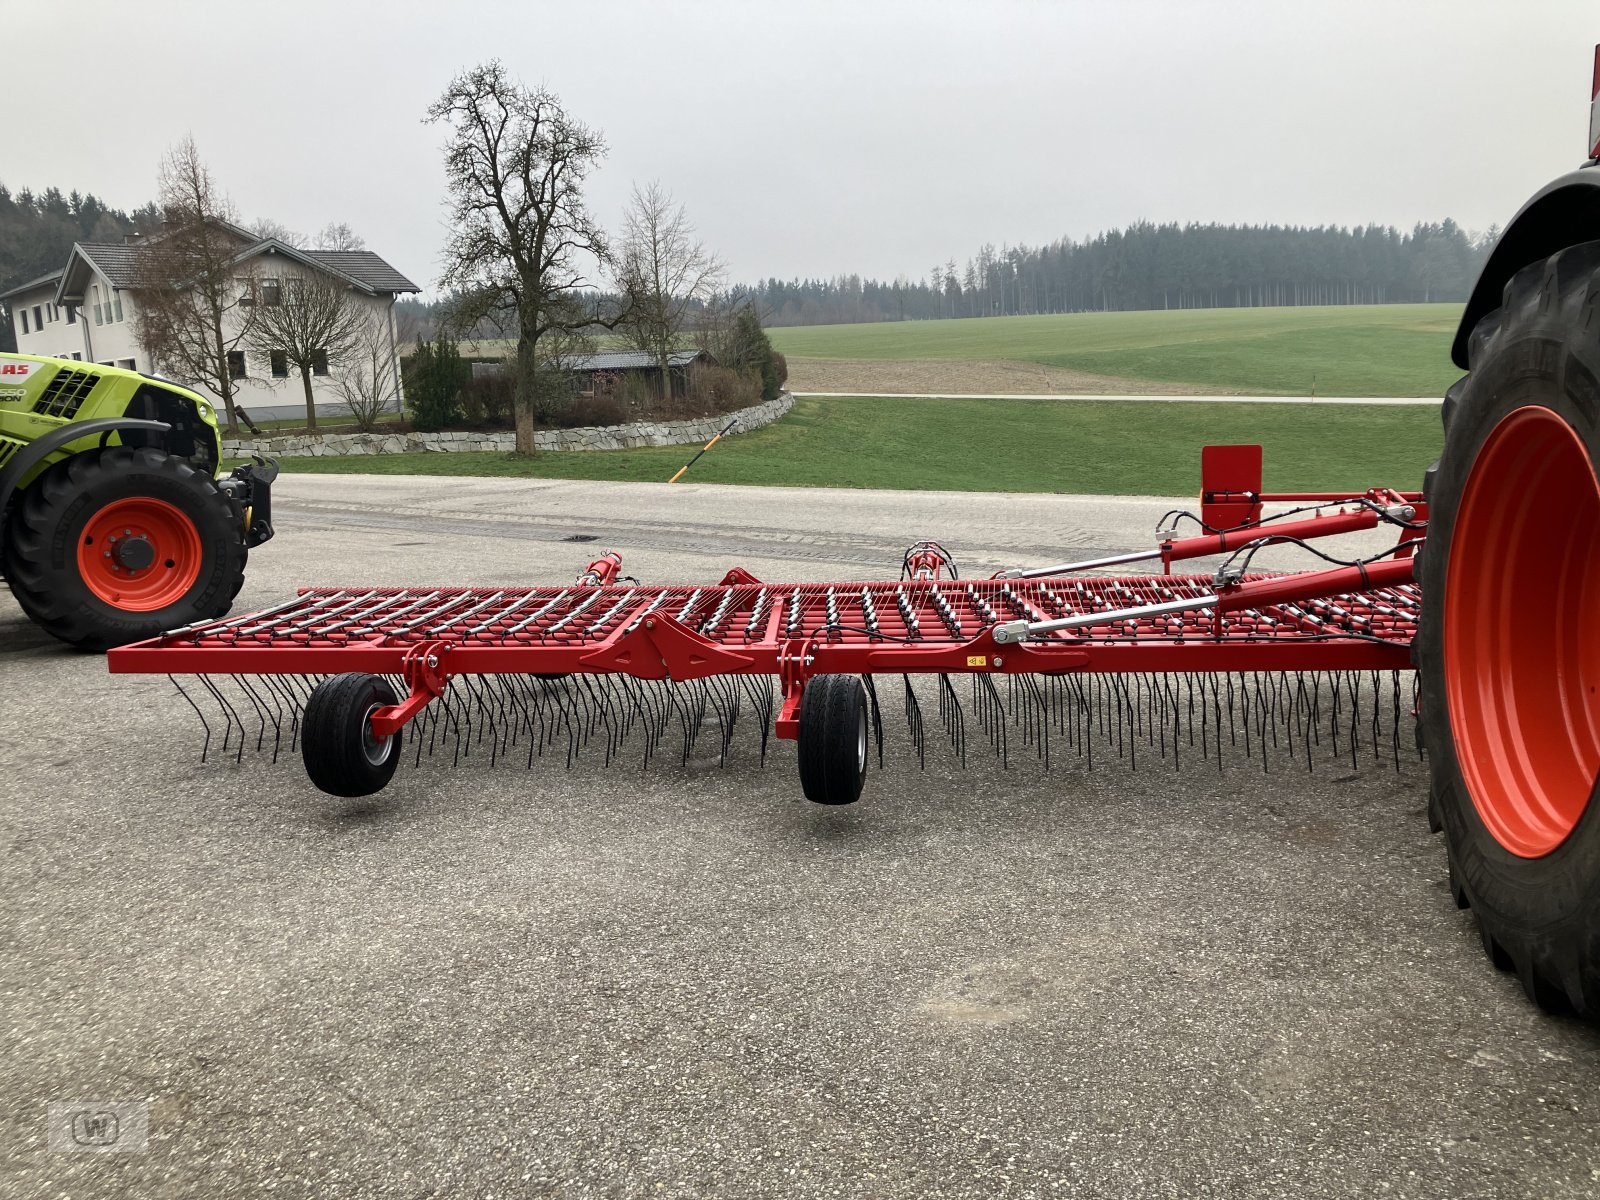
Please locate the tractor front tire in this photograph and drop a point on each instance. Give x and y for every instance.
(341, 755)
(1508, 648)
(118, 545)
(833, 739)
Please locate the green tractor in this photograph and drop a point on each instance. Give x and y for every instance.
(113, 524)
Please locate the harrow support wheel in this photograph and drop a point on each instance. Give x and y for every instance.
(1508, 649)
(341, 755)
(123, 544)
(833, 739)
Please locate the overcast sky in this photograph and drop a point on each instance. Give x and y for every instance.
(813, 139)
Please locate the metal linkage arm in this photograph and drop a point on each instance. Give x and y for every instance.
(1255, 594)
(1178, 549)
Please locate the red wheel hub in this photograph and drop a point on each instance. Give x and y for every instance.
(1521, 645)
(139, 554)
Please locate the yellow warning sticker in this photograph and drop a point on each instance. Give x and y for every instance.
(977, 660)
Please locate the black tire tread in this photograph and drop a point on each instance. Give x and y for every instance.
(1550, 314)
(77, 618)
(830, 713)
(330, 733)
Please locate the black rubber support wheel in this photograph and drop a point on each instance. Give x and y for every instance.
(1508, 650)
(336, 743)
(195, 537)
(833, 739)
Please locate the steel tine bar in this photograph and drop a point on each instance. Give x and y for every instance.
(366, 615)
(432, 614)
(536, 614)
(516, 605)
(622, 602)
(573, 614)
(319, 618)
(471, 612)
(251, 622)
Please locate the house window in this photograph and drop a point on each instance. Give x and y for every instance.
(280, 364)
(319, 362)
(72, 314)
(117, 300)
(77, 357)
(24, 313)
(38, 319)
(127, 364)
(236, 364)
(271, 292)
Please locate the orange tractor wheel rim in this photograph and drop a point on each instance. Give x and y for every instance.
(1521, 645)
(139, 554)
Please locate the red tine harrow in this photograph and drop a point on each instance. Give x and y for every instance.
(1050, 653)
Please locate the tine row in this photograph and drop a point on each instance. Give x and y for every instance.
(1296, 719)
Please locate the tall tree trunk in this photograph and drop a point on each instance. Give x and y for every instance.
(527, 390)
(311, 405)
(225, 378)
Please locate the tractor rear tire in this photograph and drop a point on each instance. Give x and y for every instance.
(118, 545)
(1508, 650)
(833, 739)
(336, 743)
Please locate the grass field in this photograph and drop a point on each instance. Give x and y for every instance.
(996, 445)
(1357, 350)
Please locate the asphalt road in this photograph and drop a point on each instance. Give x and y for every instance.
(690, 982)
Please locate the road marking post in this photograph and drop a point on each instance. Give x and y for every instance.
(703, 449)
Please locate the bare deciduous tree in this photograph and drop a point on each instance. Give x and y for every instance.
(266, 227)
(190, 321)
(663, 271)
(339, 236)
(522, 240)
(369, 383)
(313, 320)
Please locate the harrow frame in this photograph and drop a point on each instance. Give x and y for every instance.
(1053, 621)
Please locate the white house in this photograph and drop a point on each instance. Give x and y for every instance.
(87, 311)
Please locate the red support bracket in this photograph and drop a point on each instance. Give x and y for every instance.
(427, 677)
(794, 667)
(658, 647)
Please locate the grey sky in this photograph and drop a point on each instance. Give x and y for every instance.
(813, 139)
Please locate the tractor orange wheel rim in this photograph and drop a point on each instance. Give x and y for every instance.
(1521, 646)
(139, 554)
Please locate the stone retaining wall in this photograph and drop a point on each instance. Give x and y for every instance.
(602, 437)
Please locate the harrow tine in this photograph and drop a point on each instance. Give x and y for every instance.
(229, 714)
(954, 720)
(240, 682)
(991, 711)
(1276, 716)
(759, 689)
(204, 724)
(914, 722)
